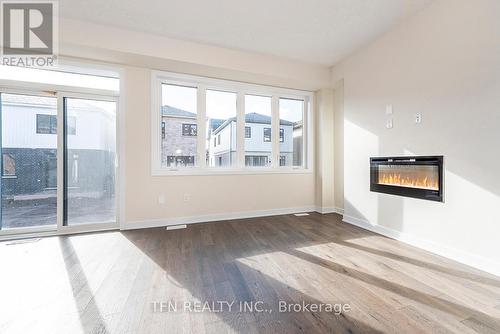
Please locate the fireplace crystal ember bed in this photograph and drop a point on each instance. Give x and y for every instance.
(410, 176)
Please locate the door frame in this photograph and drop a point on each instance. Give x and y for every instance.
(59, 228)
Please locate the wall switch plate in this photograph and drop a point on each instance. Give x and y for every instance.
(161, 199)
(186, 197)
(388, 109)
(418, 118)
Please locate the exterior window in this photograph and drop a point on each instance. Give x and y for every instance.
(221, 125)
(256, 160)
(248, 132)
(162, 130)
(46, 124)
(9, 165)
(267, 135)
(189, 130)
(180, 161)
(179, 146)
(282, 160)
(291, 132)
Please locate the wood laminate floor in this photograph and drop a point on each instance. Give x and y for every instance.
(111, 282)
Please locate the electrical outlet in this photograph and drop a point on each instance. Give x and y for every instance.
(389, 124)
(418, 118)
(161, 199)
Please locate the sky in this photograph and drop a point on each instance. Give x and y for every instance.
(222, 105)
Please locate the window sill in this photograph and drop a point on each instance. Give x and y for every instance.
(226, 171)
(9, 176)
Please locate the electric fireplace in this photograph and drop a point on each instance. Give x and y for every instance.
(410, 176)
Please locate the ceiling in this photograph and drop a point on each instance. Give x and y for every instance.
(314, 31)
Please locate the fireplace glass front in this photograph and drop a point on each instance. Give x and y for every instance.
(419, 177)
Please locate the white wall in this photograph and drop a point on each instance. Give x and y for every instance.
(445, 64)
(325, 182)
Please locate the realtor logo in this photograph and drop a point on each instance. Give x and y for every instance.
(29, 29)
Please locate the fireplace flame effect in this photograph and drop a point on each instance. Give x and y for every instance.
(398, 180)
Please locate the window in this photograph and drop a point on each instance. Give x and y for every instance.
(292, 131)
(256, 160)
(221, 124)
(180, 161)
(67, 79)
(46, 124)
(248, 132)
(210, 124)
(24, 160)
(267, 135)
(9, 165)
(258, 117)
(179, 147)
(90, 162)
(282, 160)
(189, 130)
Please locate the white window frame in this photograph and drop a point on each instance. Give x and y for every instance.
(241, 89)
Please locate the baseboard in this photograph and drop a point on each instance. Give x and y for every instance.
(211, 218)
(329, 209)
(466, 258)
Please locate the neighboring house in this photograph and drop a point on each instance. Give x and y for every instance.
(29, 142)
(221, 142)
(298, 143)
(179, 137)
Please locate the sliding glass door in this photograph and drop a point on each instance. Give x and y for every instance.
(89, 161)
(58, 162)
(28, 162)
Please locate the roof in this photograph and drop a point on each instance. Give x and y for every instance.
(167, 110)
(263, 119)
(252, 118)
(214, 123)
